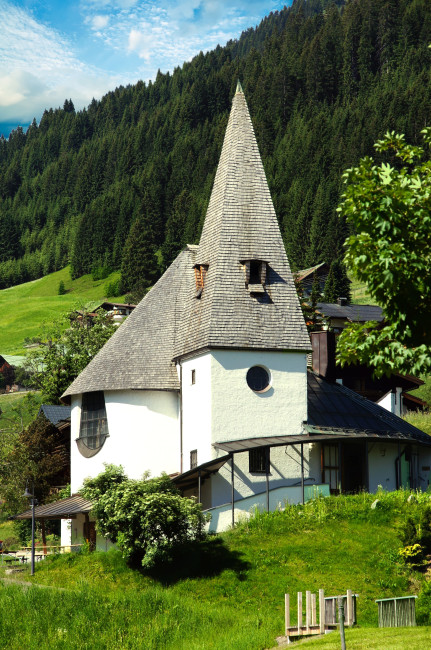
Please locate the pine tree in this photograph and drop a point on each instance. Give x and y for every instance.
(140, 267)
(337, 284)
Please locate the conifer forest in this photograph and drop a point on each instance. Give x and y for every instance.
(323, 80)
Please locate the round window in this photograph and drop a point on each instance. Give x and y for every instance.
(258, 379)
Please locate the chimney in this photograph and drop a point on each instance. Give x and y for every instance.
(342, 302)
(323, 344)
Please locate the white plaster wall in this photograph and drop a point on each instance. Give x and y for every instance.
(143, 435)
(285, 470)
(237, 412)
(66, 532)
(196, 409)
(220, 406)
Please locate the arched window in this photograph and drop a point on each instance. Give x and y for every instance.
(93, 428)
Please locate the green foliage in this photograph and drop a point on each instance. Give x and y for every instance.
(61, 288)
(140, 267)
(389, 206)
(322, 79)
(64, 353)
(112, 289)
(148, 519)
(337, 284)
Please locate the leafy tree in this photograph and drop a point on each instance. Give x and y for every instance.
(61, 288)
(147, 519)
(66, 349)
(389, 206)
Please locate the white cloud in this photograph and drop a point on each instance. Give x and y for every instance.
(140, 43)
(38, 69)
(98, 21)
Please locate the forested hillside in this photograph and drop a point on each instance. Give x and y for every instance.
(323, 81)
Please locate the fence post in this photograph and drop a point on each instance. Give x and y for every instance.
(341, 621)
(287, 613)
(322, 611)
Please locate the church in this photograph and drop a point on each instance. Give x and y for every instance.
(207, 378)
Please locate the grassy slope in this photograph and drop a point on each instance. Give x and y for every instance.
(25, 307)
(229, 596)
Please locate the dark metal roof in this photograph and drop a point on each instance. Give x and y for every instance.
(336, 412)
(336, 407)
(62, 509)
(353, 313)
(55, 414)
(190, 478)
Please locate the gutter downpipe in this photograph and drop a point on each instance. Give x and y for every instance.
(232, 488)
(302, 474)
(181, 418)
(267, 477)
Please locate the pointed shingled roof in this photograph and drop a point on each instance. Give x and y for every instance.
(139, 354)
(170, 321)
(241, 225)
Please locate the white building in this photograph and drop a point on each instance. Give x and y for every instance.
(207, 380)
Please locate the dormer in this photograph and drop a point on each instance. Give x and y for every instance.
(200, 277)
(255, 275)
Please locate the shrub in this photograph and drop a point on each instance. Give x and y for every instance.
(61, 288)
(147, 519)
(112, 288)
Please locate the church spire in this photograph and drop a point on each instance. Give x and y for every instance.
(245, 294)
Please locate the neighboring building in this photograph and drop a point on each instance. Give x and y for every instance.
(390, 392)
(117, 310)
(305, 278)
(207, 380)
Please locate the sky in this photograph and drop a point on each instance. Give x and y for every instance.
(52, 50)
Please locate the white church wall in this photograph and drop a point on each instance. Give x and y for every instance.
(196, 404)
(285, 470)
(237, 412)
(143, 435)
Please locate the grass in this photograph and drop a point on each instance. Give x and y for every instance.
(420, 420)
(416, 638)
(227, 593)
(360, 295)
(25, 307)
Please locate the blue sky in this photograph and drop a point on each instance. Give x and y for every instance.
(51, 50)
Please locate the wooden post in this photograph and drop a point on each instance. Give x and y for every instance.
(199, 487)
(302, 475)
(308, 610)
(286, 613)
(349, 608)
(299, 612)
(341, 621)
(45, 550)
(313, 610)
(399, 466)
(322, 611)
(340, 476)
(232, 489)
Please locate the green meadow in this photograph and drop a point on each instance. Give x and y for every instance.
(228, 592)
(25, 308)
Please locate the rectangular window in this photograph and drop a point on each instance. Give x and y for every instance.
(193, 376)
(330, 467)
(258, 460)
(193, 458)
